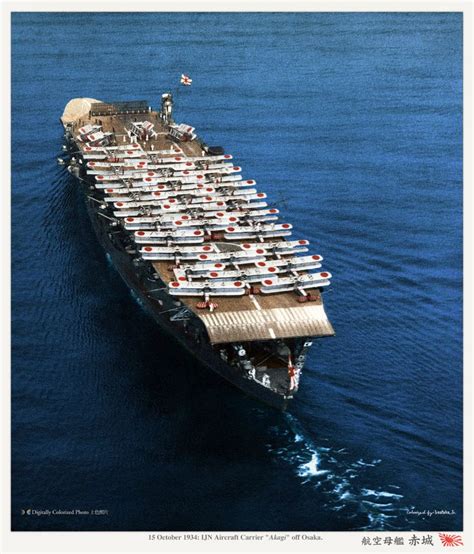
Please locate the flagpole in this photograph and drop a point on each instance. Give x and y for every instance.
(178, 86)
(183, 83)
(175, 94)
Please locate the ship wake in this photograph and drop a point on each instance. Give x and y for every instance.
(345, 483)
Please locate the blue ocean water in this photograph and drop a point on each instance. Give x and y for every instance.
(352, 124)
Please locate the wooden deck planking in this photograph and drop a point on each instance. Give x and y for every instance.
(251, 311)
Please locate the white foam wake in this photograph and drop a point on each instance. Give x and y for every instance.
(341, 481)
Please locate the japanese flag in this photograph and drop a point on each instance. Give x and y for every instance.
(186, 80)
(292, 373)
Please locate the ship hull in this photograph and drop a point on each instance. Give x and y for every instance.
(202, 350)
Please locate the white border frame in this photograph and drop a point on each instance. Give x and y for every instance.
(138, 541)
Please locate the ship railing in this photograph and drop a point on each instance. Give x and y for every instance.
(120, 108)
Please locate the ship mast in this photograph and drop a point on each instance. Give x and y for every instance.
(167, 108)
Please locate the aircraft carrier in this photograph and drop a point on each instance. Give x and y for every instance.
(199, 245)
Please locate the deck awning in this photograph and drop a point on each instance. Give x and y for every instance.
(77, 108)
(307, 320)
